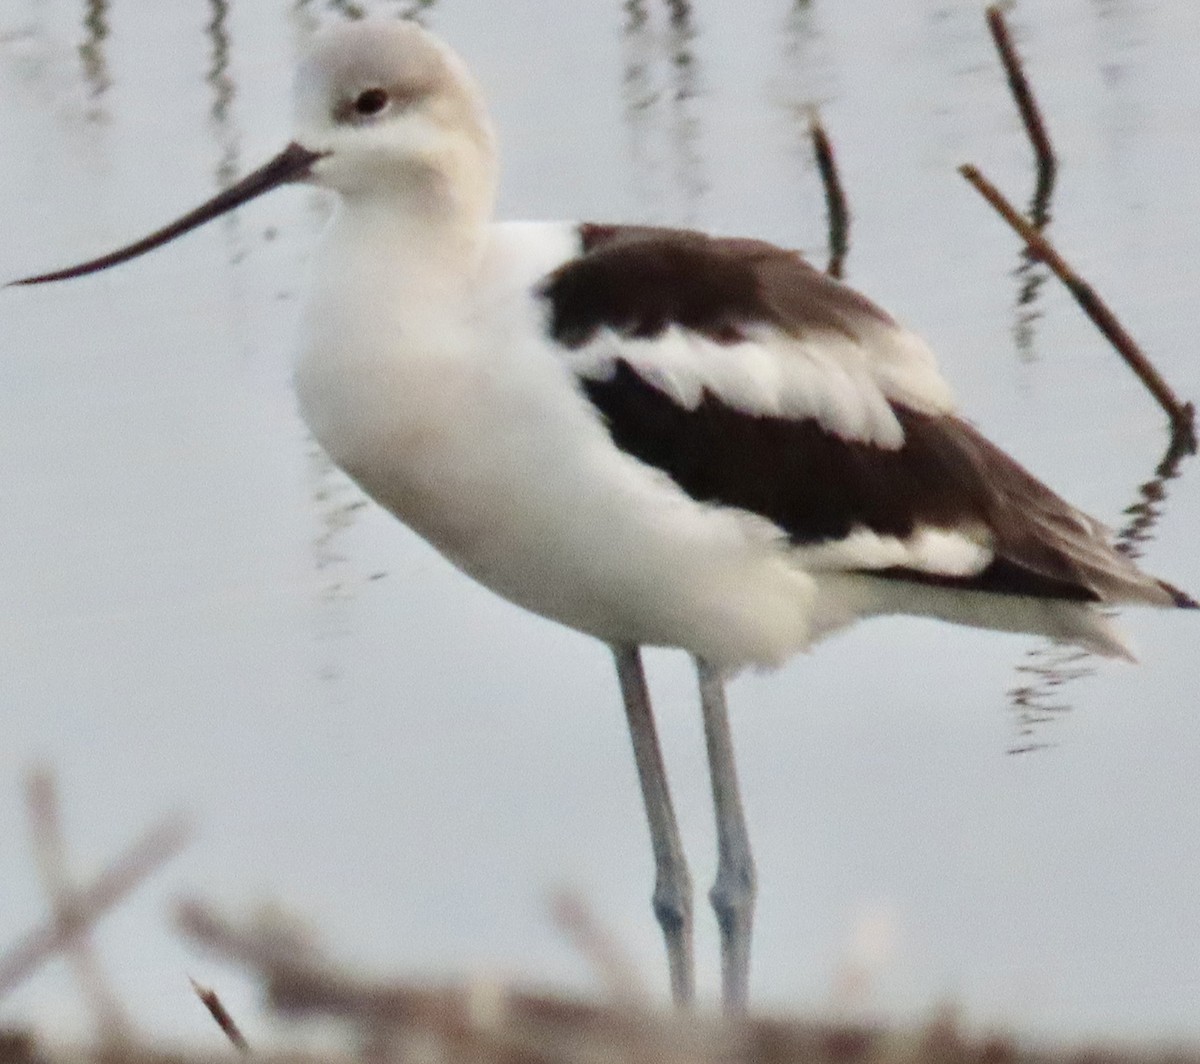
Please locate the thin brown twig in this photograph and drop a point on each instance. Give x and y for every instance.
(837, 210)
(1047, 167)
(110, 887)
(217, 1010)
(1023, 94)
(1182, 414)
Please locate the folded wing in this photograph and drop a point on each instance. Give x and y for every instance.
(755, 382)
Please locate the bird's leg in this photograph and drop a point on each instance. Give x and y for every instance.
(673, 882)
(732, 894)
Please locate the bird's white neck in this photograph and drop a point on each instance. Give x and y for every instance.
(392, 293)
(430, 223)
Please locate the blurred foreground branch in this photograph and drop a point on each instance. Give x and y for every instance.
(74, 909)
(405, 1021)
(385, 1021)
(391, 1021)
(69, 910)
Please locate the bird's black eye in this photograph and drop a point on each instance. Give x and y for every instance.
(371, 102)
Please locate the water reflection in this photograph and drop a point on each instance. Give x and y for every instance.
(335, 502)
(336, 505)
(1038, 699)
(807, 56)
(223, 91)
(304, 23)
(91, 55)
(1145, 513)
(647, 120)
(1121, 35)
(639, 97)
(347, 9)
(685, 124)
(1049, 668)
(417, 9)
(805, 64)
(224, 130)
(1031, 273)
(414, 10)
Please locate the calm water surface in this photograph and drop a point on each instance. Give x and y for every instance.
(198, 611)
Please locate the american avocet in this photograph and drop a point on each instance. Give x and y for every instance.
(653, 436)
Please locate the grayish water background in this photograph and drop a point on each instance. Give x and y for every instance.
(197, 611)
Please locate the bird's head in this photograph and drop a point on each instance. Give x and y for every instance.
(384, 113)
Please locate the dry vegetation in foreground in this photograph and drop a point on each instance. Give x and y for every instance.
(408, 1022)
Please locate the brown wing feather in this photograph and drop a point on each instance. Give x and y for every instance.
(637, 280)
(816, 486)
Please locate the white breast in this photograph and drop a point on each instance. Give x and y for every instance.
(468, 426)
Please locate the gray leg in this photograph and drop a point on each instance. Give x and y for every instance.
(673, 883)
(732, 894)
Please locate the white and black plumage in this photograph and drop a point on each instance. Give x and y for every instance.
(654, 436)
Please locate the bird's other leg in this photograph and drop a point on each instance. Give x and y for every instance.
(733, 893)
(673, 882)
